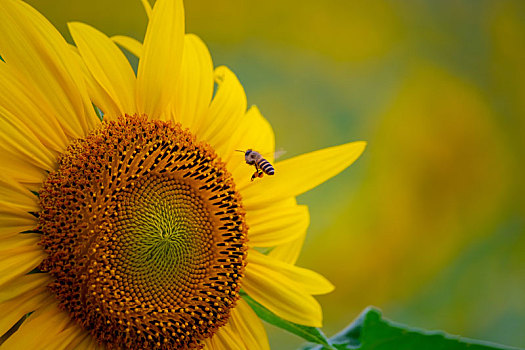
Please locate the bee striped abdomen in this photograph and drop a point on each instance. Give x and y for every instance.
(265, 166)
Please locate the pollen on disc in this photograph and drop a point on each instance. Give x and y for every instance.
(145, 235)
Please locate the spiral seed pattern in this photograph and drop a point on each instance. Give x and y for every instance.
(145, 235)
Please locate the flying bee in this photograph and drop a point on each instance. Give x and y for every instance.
(262, 166)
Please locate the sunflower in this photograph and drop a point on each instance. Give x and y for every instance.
(127, 218)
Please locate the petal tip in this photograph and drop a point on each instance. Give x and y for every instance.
(361, 145)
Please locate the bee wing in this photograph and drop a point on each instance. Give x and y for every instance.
(275, 154)
(278, 153)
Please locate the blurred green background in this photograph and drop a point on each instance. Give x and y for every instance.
(429, 223)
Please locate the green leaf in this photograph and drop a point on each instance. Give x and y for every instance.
(311, 334)
(98, 112)
(371, 331)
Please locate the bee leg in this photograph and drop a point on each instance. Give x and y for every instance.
(257, 172)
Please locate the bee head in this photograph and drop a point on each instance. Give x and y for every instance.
(250, 157)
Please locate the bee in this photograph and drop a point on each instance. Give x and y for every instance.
(262, 166)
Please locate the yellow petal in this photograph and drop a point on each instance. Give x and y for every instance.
(271, 226)
(13, 309)
(280, 294)
(305, 279)
(17, 168)
(15, 204)
(96, 92)
(22, 285)
(225, 113)
(159, 64)
(69, 338)
(21, 142)
(245, 323)
(107, 64)
(14, 221)
(293, 248)
(41, 329)
(32, 46)
(90, 343)
(84, 341)
(87, 342)
(225, 338)
(289, 252)
(19, 255)
(20, 99)
(147, 7)
(300, 174)
(12, 194)
(24, 240)
(253, 132)
(132, 45)
(195, 85)
(244, 330)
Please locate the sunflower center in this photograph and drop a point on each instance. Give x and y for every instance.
(145, 235)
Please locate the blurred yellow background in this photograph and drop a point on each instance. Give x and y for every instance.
(429, 223)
